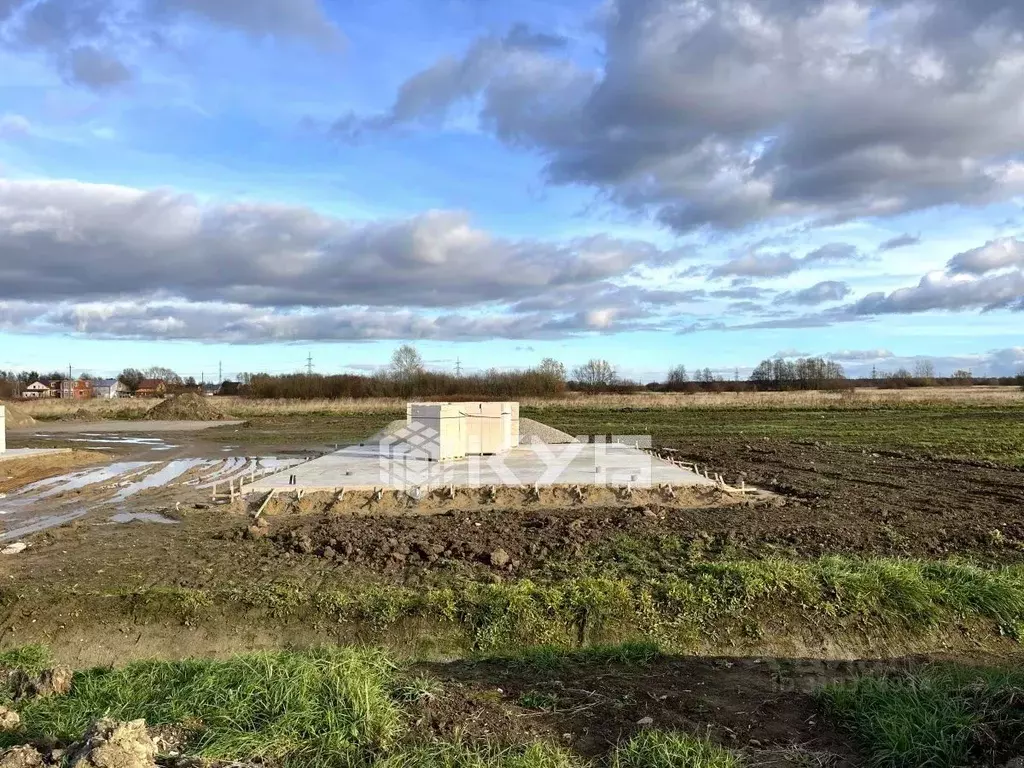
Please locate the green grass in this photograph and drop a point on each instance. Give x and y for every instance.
(696, 602)
(969, 431)
(446, 755)
(943, 717)
(31, 659)
(327, 707)
(671, 749)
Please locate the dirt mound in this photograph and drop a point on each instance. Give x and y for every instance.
(188, 407)
(17, 417)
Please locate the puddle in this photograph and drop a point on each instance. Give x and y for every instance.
(174, 469)
(141, 517)
(77, 480)
(42, 524)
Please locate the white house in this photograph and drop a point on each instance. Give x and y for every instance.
(36, 390)
(109, 388)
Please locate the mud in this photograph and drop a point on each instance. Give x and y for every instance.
(831, 500)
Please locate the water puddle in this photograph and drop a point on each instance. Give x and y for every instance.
(78, 480)
(41, 524)
(171, 471)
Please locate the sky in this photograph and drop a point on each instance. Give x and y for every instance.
(261, 185)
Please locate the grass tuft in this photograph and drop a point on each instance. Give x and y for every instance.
(944, 717)
(549, 657)
(30, 659)
(455, 755)
(328, 707)
(671, 749)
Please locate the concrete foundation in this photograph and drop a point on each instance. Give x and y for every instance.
(30, 453)
(368, 468)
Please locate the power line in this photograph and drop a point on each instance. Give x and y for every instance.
(309, 364)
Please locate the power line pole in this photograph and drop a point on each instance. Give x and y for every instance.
(309, 364)
(458, 366)
(220, 372)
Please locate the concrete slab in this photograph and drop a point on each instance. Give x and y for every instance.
(368, 467)
(30, 453)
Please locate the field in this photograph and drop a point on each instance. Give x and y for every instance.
(879, 592)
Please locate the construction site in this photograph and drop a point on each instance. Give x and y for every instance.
(690, 573)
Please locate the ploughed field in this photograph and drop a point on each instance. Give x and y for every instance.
(700, 628)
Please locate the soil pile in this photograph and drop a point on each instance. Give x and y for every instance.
(187, 407)
(17, 417)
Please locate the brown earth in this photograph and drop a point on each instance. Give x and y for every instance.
(833, 500)
(763, 707)
(16, 473)
(15, 417)
(186, 407)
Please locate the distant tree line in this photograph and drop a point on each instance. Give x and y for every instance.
(407, 376)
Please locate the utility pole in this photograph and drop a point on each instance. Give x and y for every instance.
(458, 366)
(220, 372)
(309, 364)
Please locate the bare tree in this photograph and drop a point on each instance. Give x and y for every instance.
(551, 367)
(131, 378)
(168, 376)
(595, 373)
(963, 376)
(924, 370)
(406, 362)
(678, 376)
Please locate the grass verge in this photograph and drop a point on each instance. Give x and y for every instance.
(329, 707)
(698, 603)
(944, 717)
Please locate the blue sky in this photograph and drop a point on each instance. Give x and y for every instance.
(195, 183)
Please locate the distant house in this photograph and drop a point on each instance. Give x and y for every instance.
(109, 389)
(151, 388)
(37, 390)
(77, 389)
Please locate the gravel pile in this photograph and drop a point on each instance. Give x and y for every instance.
(187, 407)
(530, 431)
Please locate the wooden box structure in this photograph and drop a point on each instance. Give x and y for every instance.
(440, 430)
(486, 428)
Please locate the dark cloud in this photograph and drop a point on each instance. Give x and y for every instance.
(900, 241)
(90, 41)
(524, 36)
(996, 254)
(89, 66)
(821, 293)
(720, 113)
(63, 241)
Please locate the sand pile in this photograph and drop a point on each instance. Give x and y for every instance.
(187, 407)
(16, 417)
(530, 431)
